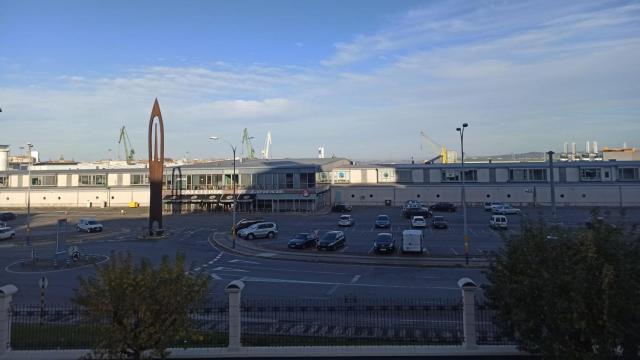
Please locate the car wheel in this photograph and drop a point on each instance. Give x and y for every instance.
(12, 236)
(270, 235)
(250, 237)
(78, 228)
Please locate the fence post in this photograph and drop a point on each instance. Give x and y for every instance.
(468, 288)
(234, 290)
(6, 294)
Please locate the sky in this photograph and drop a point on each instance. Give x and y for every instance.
(360, 78)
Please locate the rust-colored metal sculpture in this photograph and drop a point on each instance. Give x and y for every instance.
(156, 167)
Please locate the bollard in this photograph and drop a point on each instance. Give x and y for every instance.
(468, 288)
(234, 290)
(6, 295)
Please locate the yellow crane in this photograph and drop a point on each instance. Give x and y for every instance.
(438, 149)
(124, 139)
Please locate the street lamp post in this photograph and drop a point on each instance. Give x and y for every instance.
(233, 181)
(28, 238)
(464, 200)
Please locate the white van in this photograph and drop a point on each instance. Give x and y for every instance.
(412, 241)
(498, 222)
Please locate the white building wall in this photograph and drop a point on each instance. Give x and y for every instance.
(573, 174)
(112, 179)
(14, 180)
(417, 176)
(126, 179)
(356, 176)
(62, 180)
(502, 175)
(372, 176)
(75, 179)
(435, 175)
(483, 175)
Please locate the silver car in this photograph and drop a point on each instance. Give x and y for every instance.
(263, 229)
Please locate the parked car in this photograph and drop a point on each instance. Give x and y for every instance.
(245, 223)
(332, 240)
(488, 206)
(346, 220)
(341, 207)
(418, 222)
(443, 206)
(412, 241)
(88, 225)
(303, 240)
(7, 233)
(439, 222)
(384, 243)
(498, 222)
(409, 212)
(264, 229)
(383, 221)
(6, 216)
(505, 210)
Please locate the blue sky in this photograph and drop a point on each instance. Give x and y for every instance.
(361, 78)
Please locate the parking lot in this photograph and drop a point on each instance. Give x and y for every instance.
(437, 242)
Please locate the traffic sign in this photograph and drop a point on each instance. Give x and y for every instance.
(43, 282)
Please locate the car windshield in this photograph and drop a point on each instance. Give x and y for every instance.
(330, 236)
(301, 236)
(92, 222)
(438, 218)
(418, 218)
(345, 217)
(383, 217)
(384, 238)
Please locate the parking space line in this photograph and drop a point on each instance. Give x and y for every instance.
(355, 279)
(215, 277)
(454, 251)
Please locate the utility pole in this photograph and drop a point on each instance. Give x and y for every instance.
(464, 196)
(554, 213)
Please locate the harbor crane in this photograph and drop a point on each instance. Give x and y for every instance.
(124, 139)
(267, 146)
(438, 149)
(246, 141)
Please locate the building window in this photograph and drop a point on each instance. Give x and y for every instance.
(323, 178)
(141, 179)
(4, 181)
(93, 180)
(527, 175)
(454, 175)
(590, 174)
(289, 181)
(628, 174)
(44, 180)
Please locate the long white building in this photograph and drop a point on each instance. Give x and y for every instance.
(310, 184)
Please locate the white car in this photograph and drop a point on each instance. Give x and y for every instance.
(488, 206)
(418, 221)
(88, 225)
(505, 210)
(346, 220)
(498, 222)
(7, 233)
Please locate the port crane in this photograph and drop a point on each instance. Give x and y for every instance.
(124, 139)
(438, 149)
(267, 146)
(246, 141)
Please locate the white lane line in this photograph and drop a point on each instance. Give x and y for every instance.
(274, 280)
(243, 261)
(454, 252)
(220, 268)
(332, 290)
(371, 250)
(355, 279)
(216, 277)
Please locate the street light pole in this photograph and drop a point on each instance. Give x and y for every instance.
(464, 195)
(28, 238)
(552, 185)
(233, 182)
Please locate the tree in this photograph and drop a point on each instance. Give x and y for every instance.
(572, 295)
(145, 309)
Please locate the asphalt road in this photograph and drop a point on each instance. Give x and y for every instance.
(264, 278)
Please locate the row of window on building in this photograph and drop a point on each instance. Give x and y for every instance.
(308, 180)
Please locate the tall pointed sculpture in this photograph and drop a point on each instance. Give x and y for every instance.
(156, 166)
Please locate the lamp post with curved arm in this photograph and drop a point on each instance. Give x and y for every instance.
(464, 200)
(233, 181)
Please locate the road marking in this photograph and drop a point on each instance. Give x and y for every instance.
(454, 251)
(274, 280)
(266, 255)
(216, 277)
(220, 268)
(371, 250)
(332, 290)
(355, 279)
(243, 261)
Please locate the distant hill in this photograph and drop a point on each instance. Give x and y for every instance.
(528, 156)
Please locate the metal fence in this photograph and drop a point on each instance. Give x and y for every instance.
(351, 322)
(487, 332)
(68, 327)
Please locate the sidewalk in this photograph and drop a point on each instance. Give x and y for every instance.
(248, 248)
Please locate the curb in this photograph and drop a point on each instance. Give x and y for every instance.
(250, 251)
